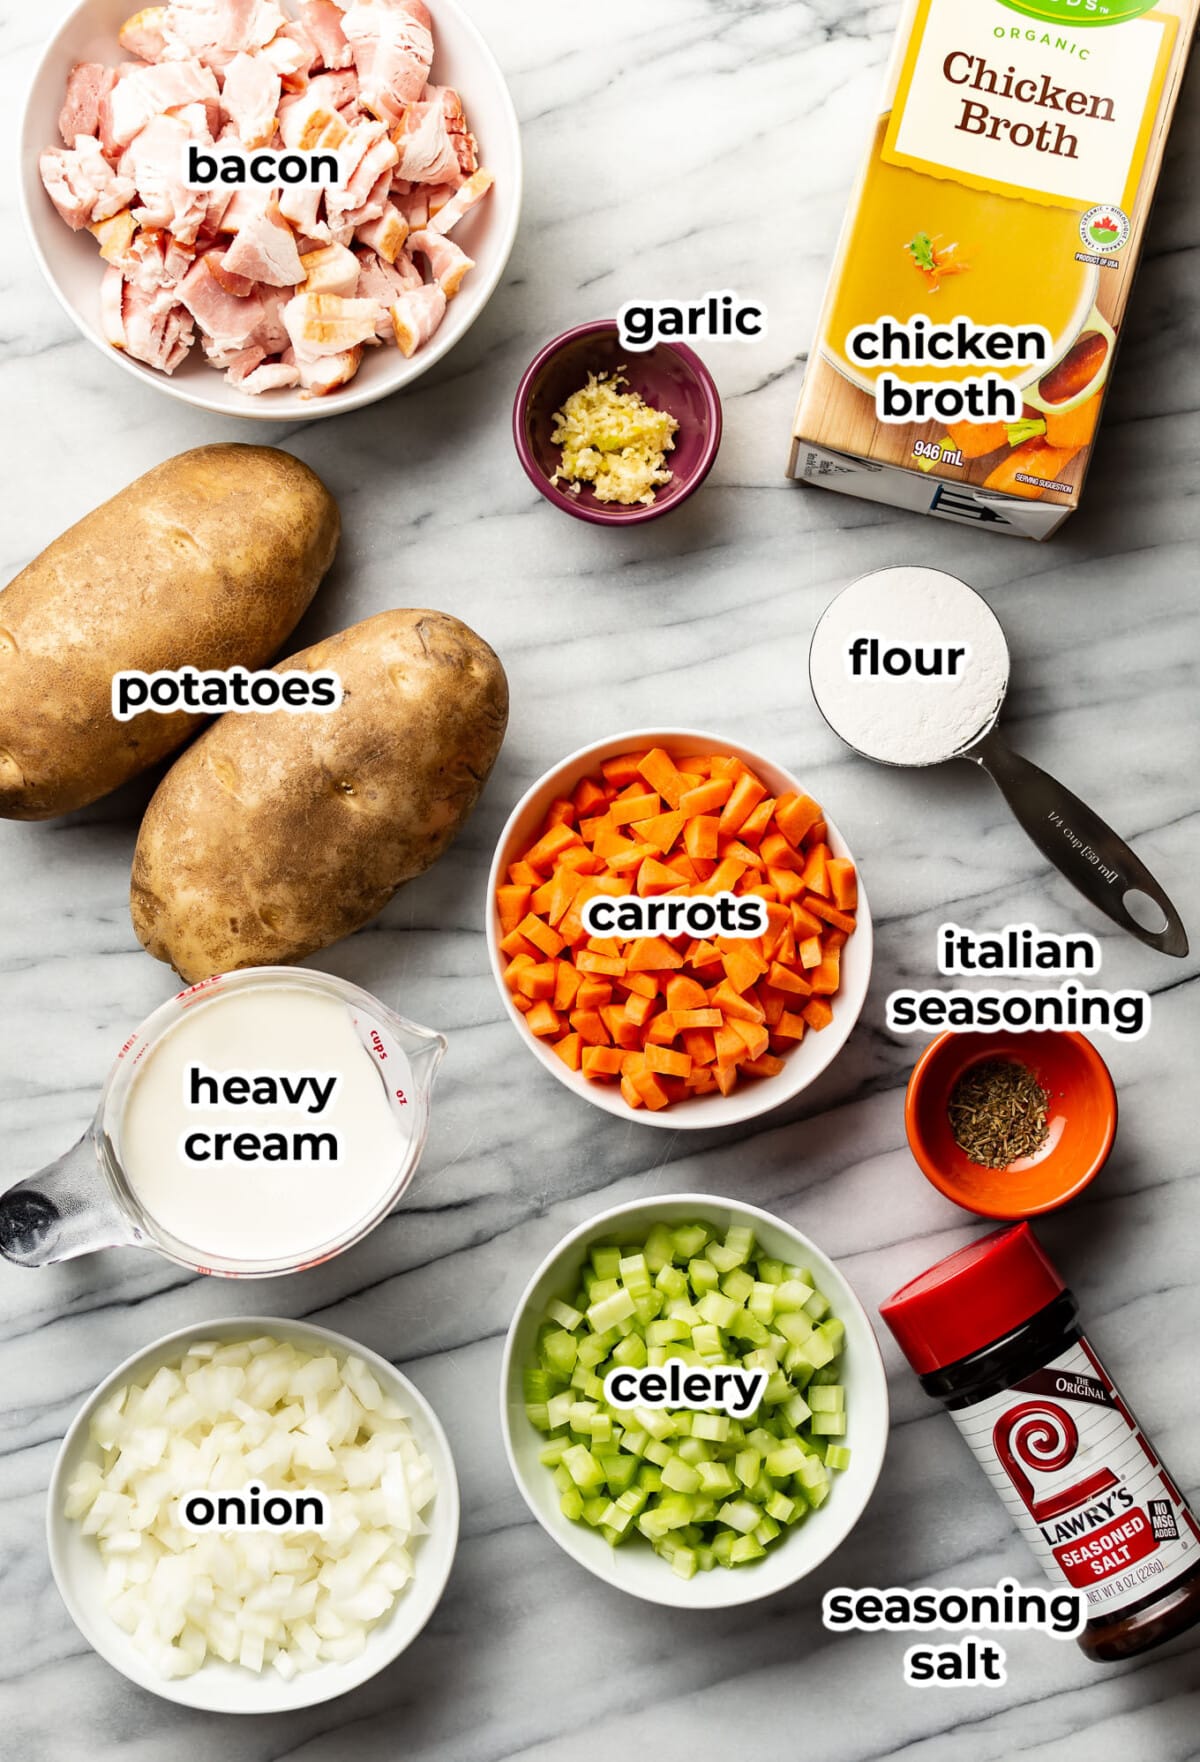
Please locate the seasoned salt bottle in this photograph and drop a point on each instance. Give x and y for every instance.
(993, 1333)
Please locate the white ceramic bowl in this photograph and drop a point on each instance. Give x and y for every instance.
(72, 266)
(815, 1053)
(636, 1568)
(227, 1688)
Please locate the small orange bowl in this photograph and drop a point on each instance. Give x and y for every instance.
(1082, 1118)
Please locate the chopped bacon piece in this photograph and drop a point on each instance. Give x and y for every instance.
(88, 83)
(392, 43)
(386, 235)
(272, 376)
(428, 154)
(114, 235)
(112, 300)
(250, 99)
(331, 270)
(157, 331)
(155, 161)
(82, 184)
(415, 317)
(231, 320)
(310, 121)
(461, 203)
(448, 265)
(320, 377)
(143, 35)
(323, 324)
(142, 93)
(264, 249)
(384, 283)
(323, 21)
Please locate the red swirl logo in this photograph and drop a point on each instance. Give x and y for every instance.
(1042, 1436)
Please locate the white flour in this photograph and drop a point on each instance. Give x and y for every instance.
(910, 720)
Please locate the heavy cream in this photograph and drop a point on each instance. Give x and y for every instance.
(260, 1127)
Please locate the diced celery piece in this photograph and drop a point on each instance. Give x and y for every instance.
(537, 1384)
(667, 1331)
(633, 1272)
(747, 1465)
(659, 1452)
(817, 1306)
(609, 1311)
(630, 1352)
(703, 1276)
(562, 1479)
(633, 1500)
(619, 1471)
(785, 1461)
(635, 1441)
(829, 1425)
(745, 1326)
(707, 1341)
(740, 1514)
(717, 1309)
(558, 1409)
(694, 1450)
(683, 1562)
(771, 1272)
(706, 1560)
(811, 1472)
(680, 1476)
(744, 1550)
(778, 1389)
(593, 1349)
(816, 1350)
(837, 1457)
(716, 1478)
(795, 1328)
(583, 1468)
(761, 1301)
(682, 1421)
(616, 1519)
(672, 1282)
(827, 1398)
(723, 1257)
(690, 1240)
(714, 1426)
(791, 1296)
(647, 1307)
(599, 1289)
(650, 1479)
(723, 1546)
(654, 1420)
(659, 1248)
(766, 1532)
(653, 1524)
(740, 1240)
(816, 1496)
(538, 1414)
(781, 1508)
(594, 1509)
(606, 1262)
(551, 1452)
(834, 1331)
(565, 1315)
(738, 1284)
(571, 1504)
(796, 1410)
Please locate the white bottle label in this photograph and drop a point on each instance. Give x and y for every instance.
(1082, 1483)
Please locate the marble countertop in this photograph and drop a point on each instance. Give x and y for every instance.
(757, 112)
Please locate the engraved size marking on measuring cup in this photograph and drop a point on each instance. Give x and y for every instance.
(1085, 850)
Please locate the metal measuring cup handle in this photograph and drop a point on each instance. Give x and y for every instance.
(1077, 841)
(65, 1210)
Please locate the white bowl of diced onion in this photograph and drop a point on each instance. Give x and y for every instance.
(71, 263)
(634, 1567)
(223, 1687)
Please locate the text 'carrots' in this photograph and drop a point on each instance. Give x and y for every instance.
(670, 1017)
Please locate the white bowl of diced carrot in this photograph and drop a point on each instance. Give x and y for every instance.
(678, 1031)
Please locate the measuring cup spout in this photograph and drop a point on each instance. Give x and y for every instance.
(63, 1211)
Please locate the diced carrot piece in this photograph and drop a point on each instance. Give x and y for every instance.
(662, 1030)
(747, 793)
(515, 943)
(777, 853)
(790, 1027)
(579, 858)
(541, 896)
(821, 908)
(756, 1037)
(541, 935)
(562, 813)
(826, 979)
(729, 1044)
(639, 1009)
(773, 1004)
(844, 882)
(659, 770)
(629, 859)
(817, 1013)
(623, 770)
(655, 877)
(515, 967)
(544, 1020)
(651, 1090)
(588, 797)
(811, 952)
(795, 816)
(591, 831)
(735, 1003)
(743, 965)
(589, 1025)
(766, 1066)
(564, 887)
(707, 796)
(667, 1062)
(724, 878)
(758, 822)
(547, 848)
(593, 994)
(512, 903)
(660, 832)
(700, 836)
(650, 953)
(727, 1077)
(566, 985)
(569, 1049)
(626, 810)
(804, 924)
(602, 1061)
(521, 1002)
(700, 1045)
(521, 875)
(688, 869)
(622, 1031)
(725, 765)
(641, 984)
(783, 979)
(816, 875)
(589, 962)
(697, 1018)
(739, 852)
(629, 1091)
(818, 834)
(704, 954)
(685, 994)
(538, 981)
(787, 884)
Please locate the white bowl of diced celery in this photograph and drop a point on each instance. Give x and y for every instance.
(694, 1509)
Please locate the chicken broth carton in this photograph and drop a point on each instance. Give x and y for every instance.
(970, 323)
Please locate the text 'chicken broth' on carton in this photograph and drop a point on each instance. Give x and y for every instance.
(970, 322)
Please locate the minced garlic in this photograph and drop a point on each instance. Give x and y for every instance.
(613, 440)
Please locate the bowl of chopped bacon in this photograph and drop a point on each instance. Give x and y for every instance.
(279, 211)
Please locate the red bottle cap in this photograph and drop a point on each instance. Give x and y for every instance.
(972, 1299)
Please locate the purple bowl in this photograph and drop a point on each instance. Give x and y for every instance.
(669, 377)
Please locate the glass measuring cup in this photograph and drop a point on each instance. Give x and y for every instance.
(1068, 833)
(85, 1201)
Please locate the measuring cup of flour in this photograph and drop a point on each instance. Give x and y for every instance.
(910, 666)
(258, 1123)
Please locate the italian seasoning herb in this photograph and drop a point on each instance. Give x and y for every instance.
(998, 1113)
